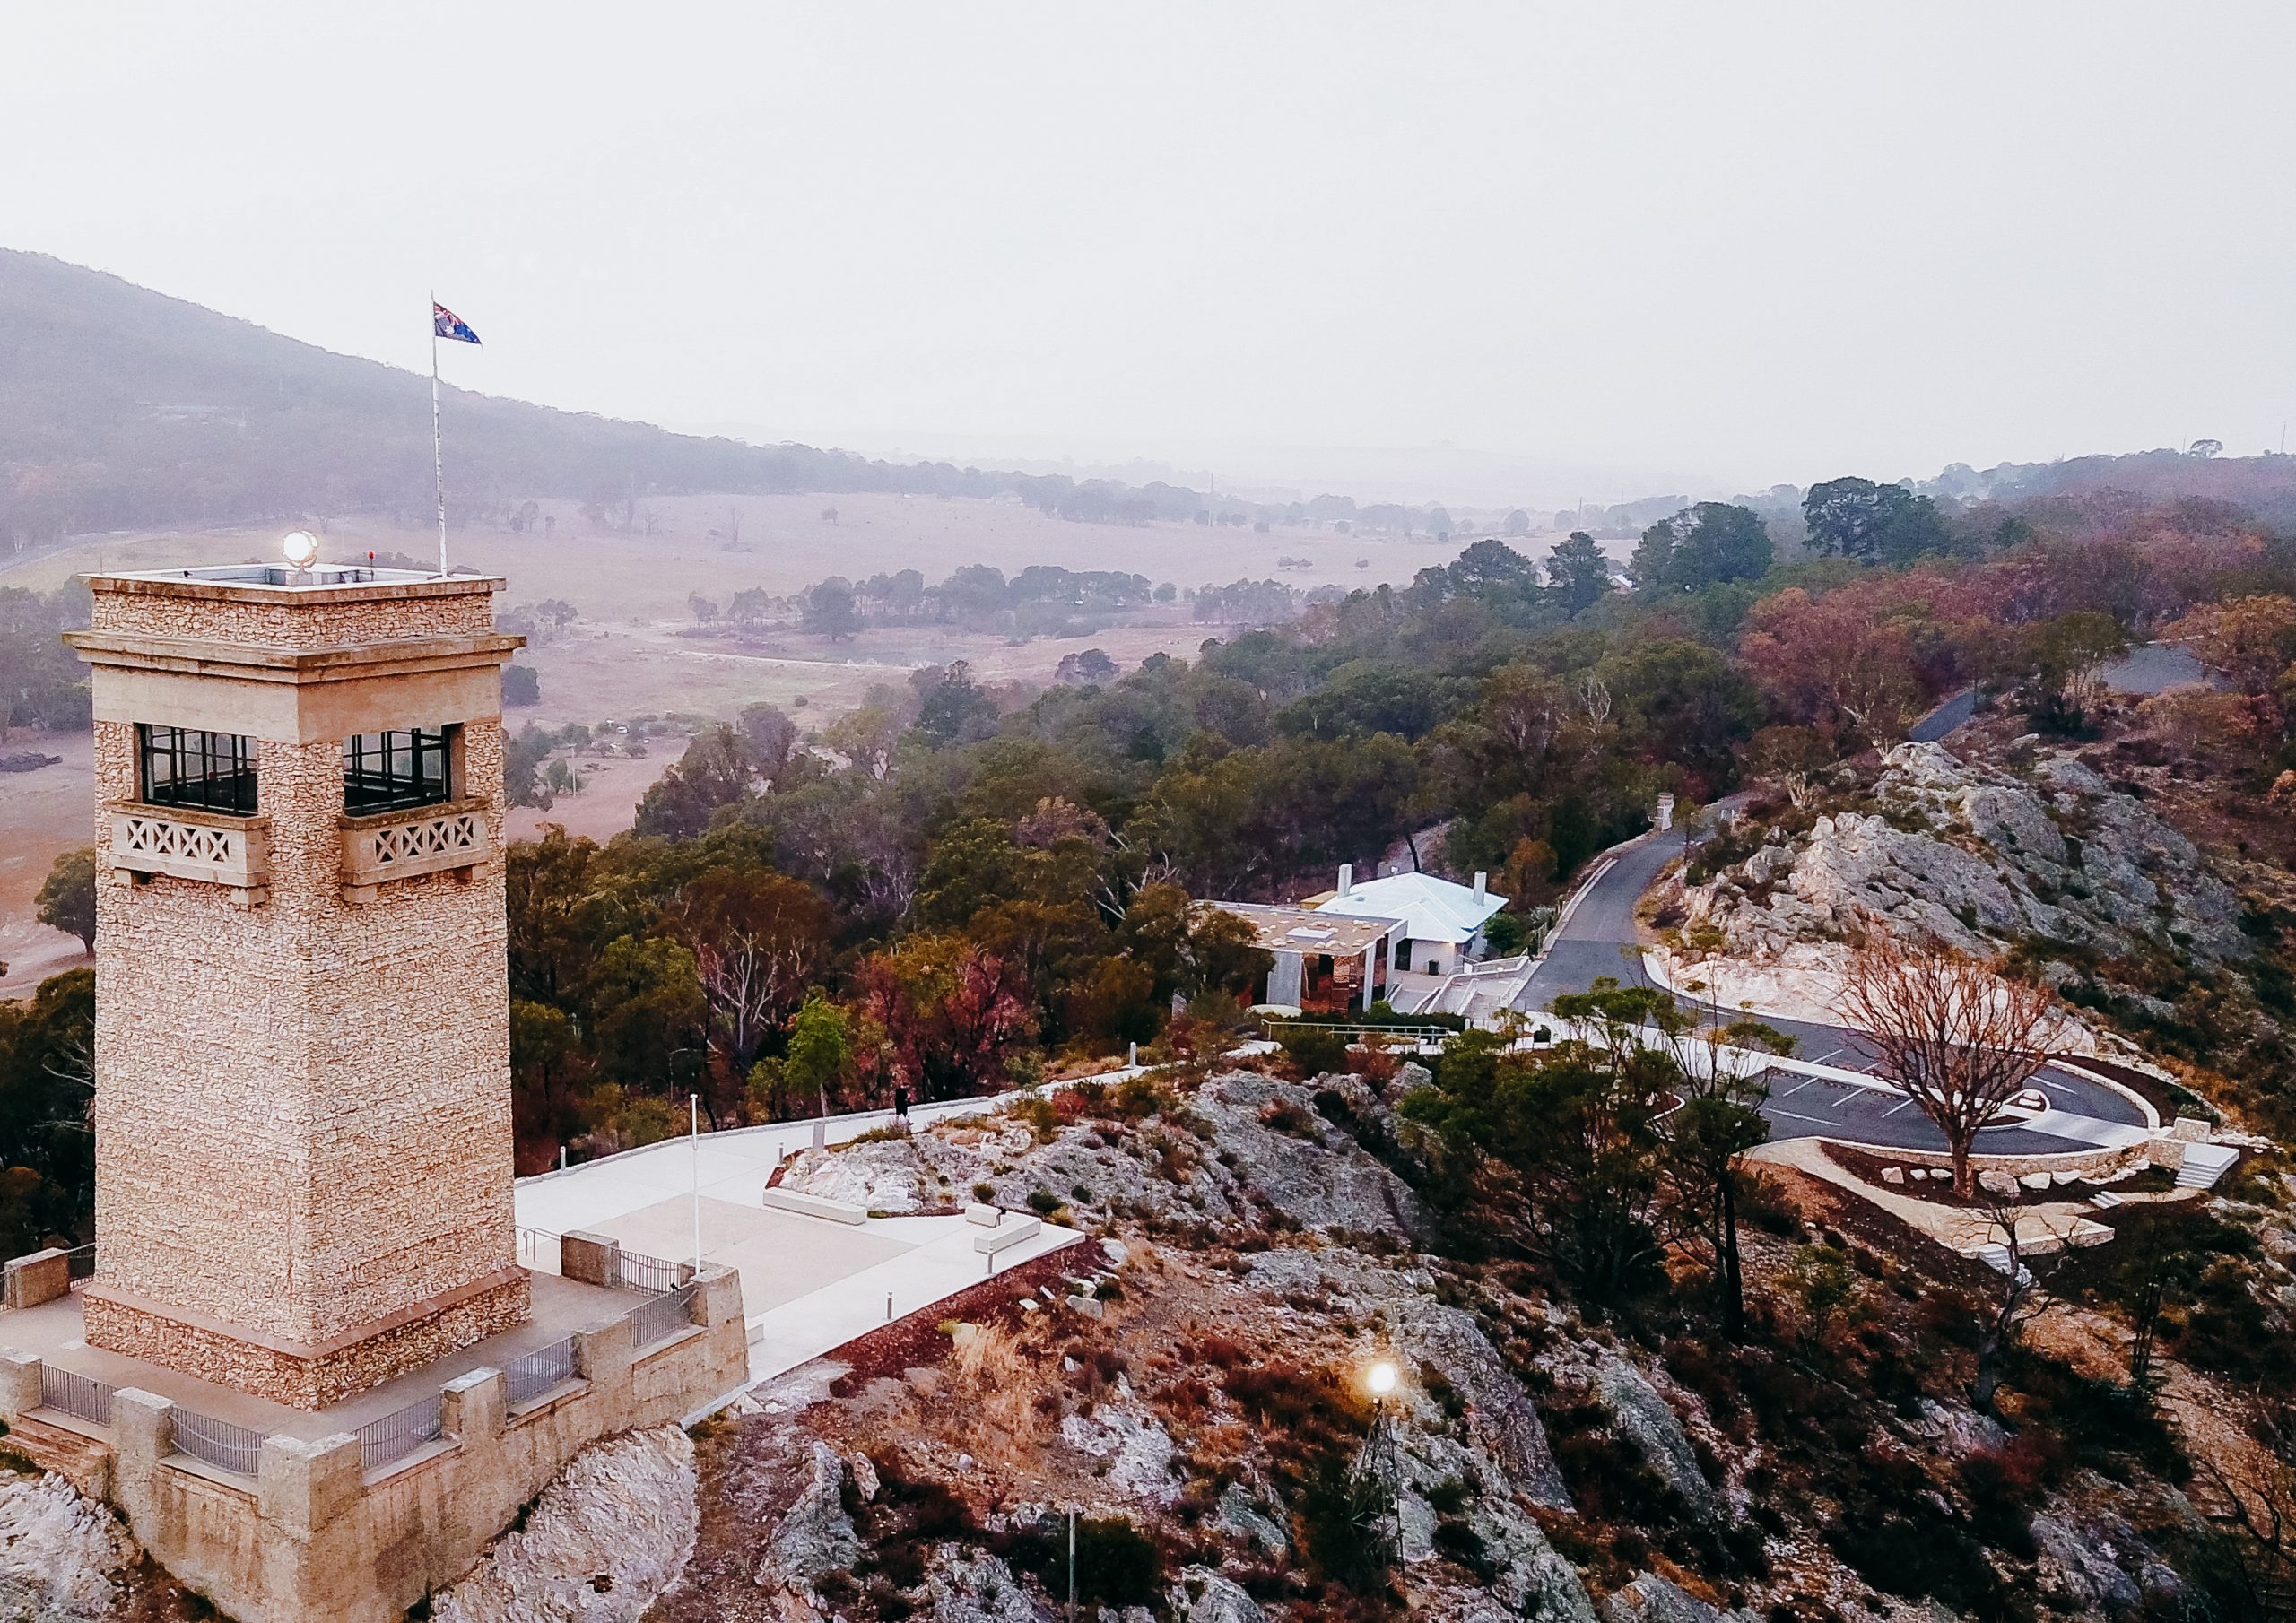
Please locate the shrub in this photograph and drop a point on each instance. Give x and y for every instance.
(1116, 1564)
(1043, 1202)
(1348, 1517)
(1311, 1052)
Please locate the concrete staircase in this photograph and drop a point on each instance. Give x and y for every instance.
(2203, 1163)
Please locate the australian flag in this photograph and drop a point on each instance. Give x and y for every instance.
(446, 324)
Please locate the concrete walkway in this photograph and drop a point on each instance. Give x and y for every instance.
(808, 1283)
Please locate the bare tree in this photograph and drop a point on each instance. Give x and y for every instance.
(2022, 1296)
(1959, 1038)
(2251, 1495)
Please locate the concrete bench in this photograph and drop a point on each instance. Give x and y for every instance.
(814, 1205)
(985, 1217)
(1005, 1236)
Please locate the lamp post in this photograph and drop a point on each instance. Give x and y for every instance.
(1371, 1484)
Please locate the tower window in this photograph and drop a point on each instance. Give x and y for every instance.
(200, 771)
(391, 771)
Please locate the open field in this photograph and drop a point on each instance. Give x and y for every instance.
(786, 544)
(42, 815)
(625, 656)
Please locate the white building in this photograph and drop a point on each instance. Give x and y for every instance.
(1442, 922)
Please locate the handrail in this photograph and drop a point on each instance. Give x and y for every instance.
(539, 1371)
(400, 1432)
(220, 1443)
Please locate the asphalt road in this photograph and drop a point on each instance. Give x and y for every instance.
(1601, 938)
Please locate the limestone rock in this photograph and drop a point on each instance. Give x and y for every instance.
(1219, 1601)
(1136, 1447)
(57, 1552)
(815, 1537)
(881, 1175)
(1651, 1599)
(1644, 1418)
(978, 1588)
(1994, 1181)
(1238, 1517)
(1973, 857)
(610, 1535)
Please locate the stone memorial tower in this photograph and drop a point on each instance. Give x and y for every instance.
(302, 1113)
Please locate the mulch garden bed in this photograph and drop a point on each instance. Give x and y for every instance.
(1867, 1166)
(917, 1338)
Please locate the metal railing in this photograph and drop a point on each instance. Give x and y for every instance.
(635, 1272)
(538, 1248)
(539, 1371)
(233, 1448)
(1402, 1035)
(658, 1320)
(400, 1433)
(80, 1264)
(81, 1396)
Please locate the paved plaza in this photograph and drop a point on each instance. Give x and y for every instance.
(808, 1284)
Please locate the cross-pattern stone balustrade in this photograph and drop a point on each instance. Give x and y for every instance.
(208, 847)
(401, 845)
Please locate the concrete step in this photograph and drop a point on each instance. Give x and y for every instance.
(813, 1205)
(2203, 1163)
(2108, 1199)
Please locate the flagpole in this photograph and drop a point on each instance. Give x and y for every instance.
(437, 455)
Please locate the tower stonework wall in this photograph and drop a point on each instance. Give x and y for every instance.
(303, 1139)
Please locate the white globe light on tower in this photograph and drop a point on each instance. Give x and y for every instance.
(302, 549)
(1381, 1378)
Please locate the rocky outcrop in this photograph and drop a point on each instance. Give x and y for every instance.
(1651, 1599)
(607, 1537)
(1973, 857)
(1135, 1449)
(1254, 1151)
(1496, 1444)
(815, 1537)
(1216, 1599)
(58, 1552)
(1505, 1437)
(1646, 1420)
(876, 1175)
(1241, 1518)
(978, 1588)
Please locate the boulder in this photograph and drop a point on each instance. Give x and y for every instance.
(1217, 1600)
(815, 1537)
(962, 1588)
(2083, 1568)
(1994, 1181)
(1132, 1443)
(1644, 1418)
(1238, 1517)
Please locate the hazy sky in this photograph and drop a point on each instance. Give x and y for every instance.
(1645, 246)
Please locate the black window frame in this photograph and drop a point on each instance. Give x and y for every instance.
(399, 771)
(193, 769)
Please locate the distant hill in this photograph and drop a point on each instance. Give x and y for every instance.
(121, 408)
(2264, 486)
